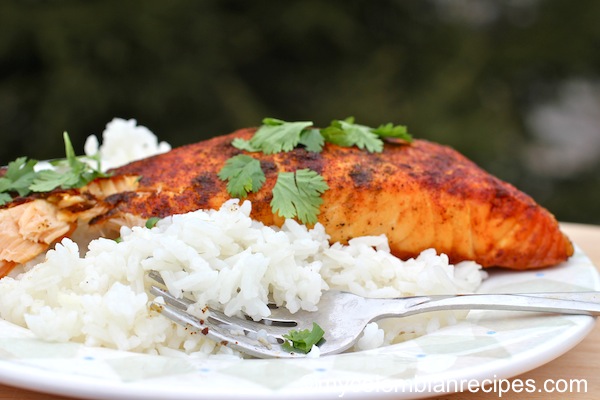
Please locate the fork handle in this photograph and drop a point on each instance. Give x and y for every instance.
(580, 303)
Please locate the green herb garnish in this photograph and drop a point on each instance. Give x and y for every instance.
(312, 140)
(304, 340)
(19, 176)
(275, 136)
(243, 174)
(71, 172)
(346, 133)
(5, 198)
(393, 131)
(298, 194)
(151, 222)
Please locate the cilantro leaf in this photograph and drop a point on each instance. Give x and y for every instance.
(48, 180)
(243, 174)
(347, 133)
(80, 173)
(76, 173)
(336, 135)
(312, 139)
(21, 177)
(303, 340)
(276, 135)
(298, 194)
(243, 144)
(5, 198)
(18, 176)
(395, 131)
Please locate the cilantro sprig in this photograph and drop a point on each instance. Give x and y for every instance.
(18, 177)
(303, 340)
(276, 136)
(298, 194)
(243, 174)
(347, 133)
(22, 178)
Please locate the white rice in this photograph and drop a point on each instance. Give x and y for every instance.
(124, 141)
(224, 259)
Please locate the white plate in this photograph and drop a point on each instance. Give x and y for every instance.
(489, 345)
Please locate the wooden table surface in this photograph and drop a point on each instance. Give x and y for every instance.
(581, 363)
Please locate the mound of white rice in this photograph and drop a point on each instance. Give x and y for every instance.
(98, 296)
(224, 259)
(124, 141)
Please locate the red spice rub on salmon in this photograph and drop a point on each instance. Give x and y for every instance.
(423, 195)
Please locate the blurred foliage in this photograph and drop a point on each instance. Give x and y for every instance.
(463, 73)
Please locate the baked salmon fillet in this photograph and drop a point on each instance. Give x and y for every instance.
(421, 195)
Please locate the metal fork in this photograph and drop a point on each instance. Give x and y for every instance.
(343, 316)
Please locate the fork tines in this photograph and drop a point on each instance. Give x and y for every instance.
(259, 339)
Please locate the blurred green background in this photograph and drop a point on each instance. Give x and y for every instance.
(514, 85)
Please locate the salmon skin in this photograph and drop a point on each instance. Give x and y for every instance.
(421, 195)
